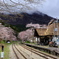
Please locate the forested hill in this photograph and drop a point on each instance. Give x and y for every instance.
(18, 22)
(25, 18)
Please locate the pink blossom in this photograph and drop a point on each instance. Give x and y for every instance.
(6, 33)
(26, 35)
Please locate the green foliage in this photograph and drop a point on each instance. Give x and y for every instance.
(6, 51)
(6, 25)
(18, 28)
(5, 19)
(1, 21)
(2, 41)
(27, 42)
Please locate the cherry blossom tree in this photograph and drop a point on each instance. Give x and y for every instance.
(6, 33)
(26, 35)
(36, 25)
(22, 35)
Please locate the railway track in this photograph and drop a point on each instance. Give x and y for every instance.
(21, 52)
(25, 53)
(44, 55)
(17, 53)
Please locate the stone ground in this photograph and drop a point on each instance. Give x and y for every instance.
(11, 53)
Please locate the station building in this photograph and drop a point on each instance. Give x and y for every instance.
(45, 34)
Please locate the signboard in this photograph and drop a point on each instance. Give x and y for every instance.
(56, 29)
(54, 39)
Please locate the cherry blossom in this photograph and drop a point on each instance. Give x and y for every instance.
(6, 33)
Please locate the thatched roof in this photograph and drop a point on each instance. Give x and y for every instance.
(41, 31)
(51, 29)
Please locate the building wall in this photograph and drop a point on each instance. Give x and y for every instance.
(51, 30)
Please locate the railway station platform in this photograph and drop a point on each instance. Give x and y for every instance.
(50, 50)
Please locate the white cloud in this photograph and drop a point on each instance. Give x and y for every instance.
(50, 7)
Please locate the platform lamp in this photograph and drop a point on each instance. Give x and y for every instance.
(33, 32)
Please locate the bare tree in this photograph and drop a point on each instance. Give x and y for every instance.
(10, 6)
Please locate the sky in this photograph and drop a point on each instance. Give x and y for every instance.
(49, 7)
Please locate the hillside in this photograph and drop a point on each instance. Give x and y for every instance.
(25, 18)
(19, 21)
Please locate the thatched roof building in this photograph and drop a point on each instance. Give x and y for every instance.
(51, 29)
(41, 31)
